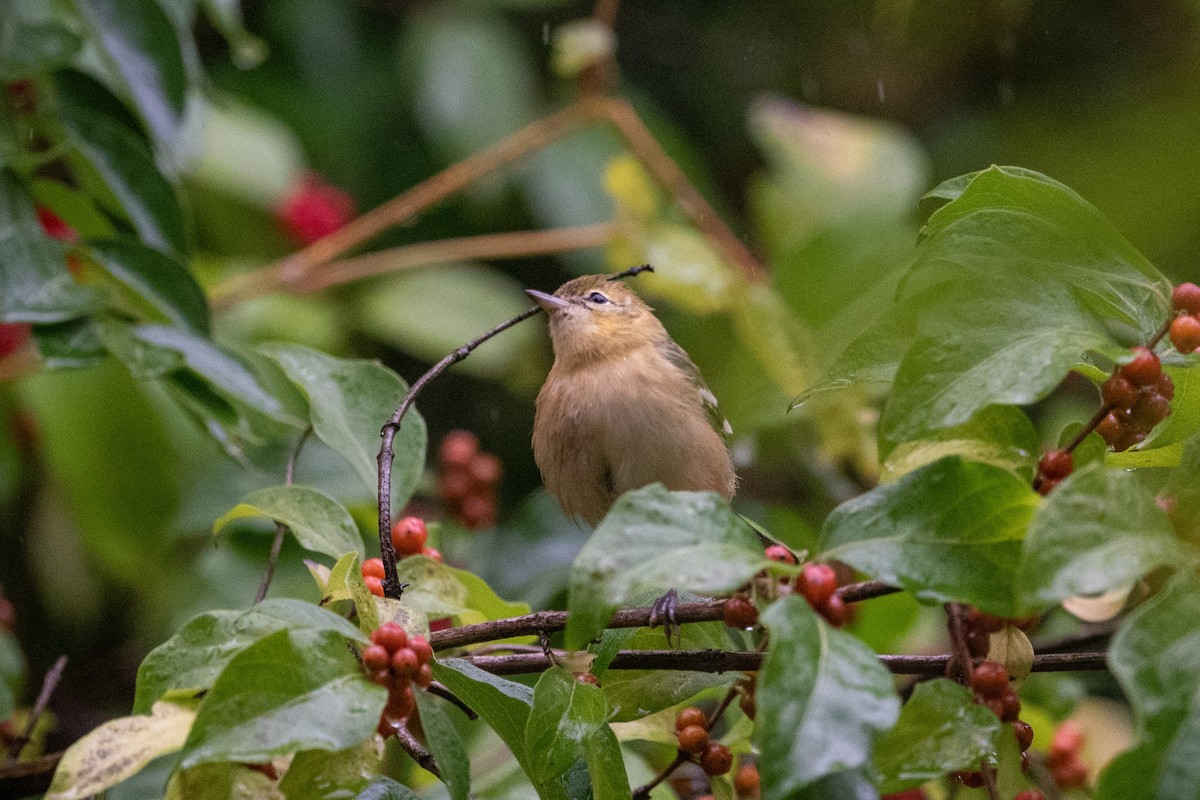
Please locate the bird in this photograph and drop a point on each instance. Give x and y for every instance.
(623, 405)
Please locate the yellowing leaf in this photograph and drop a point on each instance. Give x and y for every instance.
(1011, 648)
(1100, 607)
(119, 749)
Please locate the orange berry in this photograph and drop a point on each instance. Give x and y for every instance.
(374, 585)
(405, 663)
(421, 647)
(400, 703)
(409, 535)
(716, 760)
(746, 782)
(1144, 369)
(424, 676)
(373, 568)
(390, 636)
(990, 679)
(1186, 297)
(1185, 333)
(1067, 741)
(777, 552)
(375, 657)
(693, 740)
(691, 716)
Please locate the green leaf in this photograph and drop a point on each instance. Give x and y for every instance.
(606, 765)
(565, 713)
(35, 285)
(219, 781)
(32, 41)
(1009, 344)
(1019, 223)
(446, 745)
(949, 532)
(823, 699)
(1098, 530)
(502, 704)
(1183, 492)
(652, 540)
(12, 670)
(191, 660)
(386, 789)
(128, 172)
(998, 435)
(349, 402)
(322, 775)
(318, 522)
(226, 374)
(440, 591)
(291, 690)
(141, 47)
(160, 282)
(119, 749)
(1156, 659)
(941, 729)
(74, 344)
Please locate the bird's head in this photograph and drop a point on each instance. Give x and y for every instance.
(595, 318)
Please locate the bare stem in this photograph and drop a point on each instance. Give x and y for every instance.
(49, 684)
(401, 208)
(419, 754)
(280, 528)
(958, 668)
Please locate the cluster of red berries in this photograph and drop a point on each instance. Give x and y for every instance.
(691, 727)
(1053, 467)
(989, 681)
(817, 583)
(313, 209)
(397, 661)
(1185, 328)
(1066, 767)
(467, 480)
(1138, 397)
(409, 536)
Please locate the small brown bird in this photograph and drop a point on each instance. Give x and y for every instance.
(623, 405)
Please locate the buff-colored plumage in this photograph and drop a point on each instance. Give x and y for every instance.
(623, 405)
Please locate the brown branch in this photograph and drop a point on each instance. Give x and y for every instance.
(401, 208)
(959, 667)
(660, 165)
(519, 244)
(442, 691)
(866, 590)
(643, 792)
(419, 754)
(49, 684)
(280, 528)
(1089, 636)
(739, 661)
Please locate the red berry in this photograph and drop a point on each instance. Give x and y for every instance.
(1150, 410)
(1045, 486)
(424, 676)
(978, 642)
(1073, 775)
(835, 611)
(1024, 732)
(458, 448)
(409, 535)
(54, 226)
(990, 679)
(1118, 392)
(373, 568)
(1185, 333)
(716, 760)
(1030, 794)
(1166, 387)
(972, 779)
(454, 484)
(375, 657)
(433, 553)
(441, 624)
(691, 716)
(1111, 428)
(1144, 369)
(746, 781)
(1186, 297)
(777, 552)
(1067, 741)
(1010, 707)
(1056, 464)
(693, 740)
(400, 704)
(740, 613)
(421, 648)
(405, 663)
(13, 336)
(383, 677)
(374, 585)
(486, 469)
(390, 636)
(817, 582)
(314, 209)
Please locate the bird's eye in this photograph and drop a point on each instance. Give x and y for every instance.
(597, 298)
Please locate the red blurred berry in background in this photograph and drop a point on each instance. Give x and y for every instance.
(314, 209)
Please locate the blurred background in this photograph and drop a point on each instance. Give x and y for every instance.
(813, 127)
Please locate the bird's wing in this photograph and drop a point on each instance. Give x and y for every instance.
(679, 358)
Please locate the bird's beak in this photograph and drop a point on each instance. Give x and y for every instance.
(548, 302)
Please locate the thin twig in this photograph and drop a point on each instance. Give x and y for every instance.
(520, 244)
(442, 691)
(664, 170)
(866, 590)
(741, 661)
(49, 684)
(643, 792)
(959, 667)
(989, 780)
(280, 528)
(419, 754)
(401, 208)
